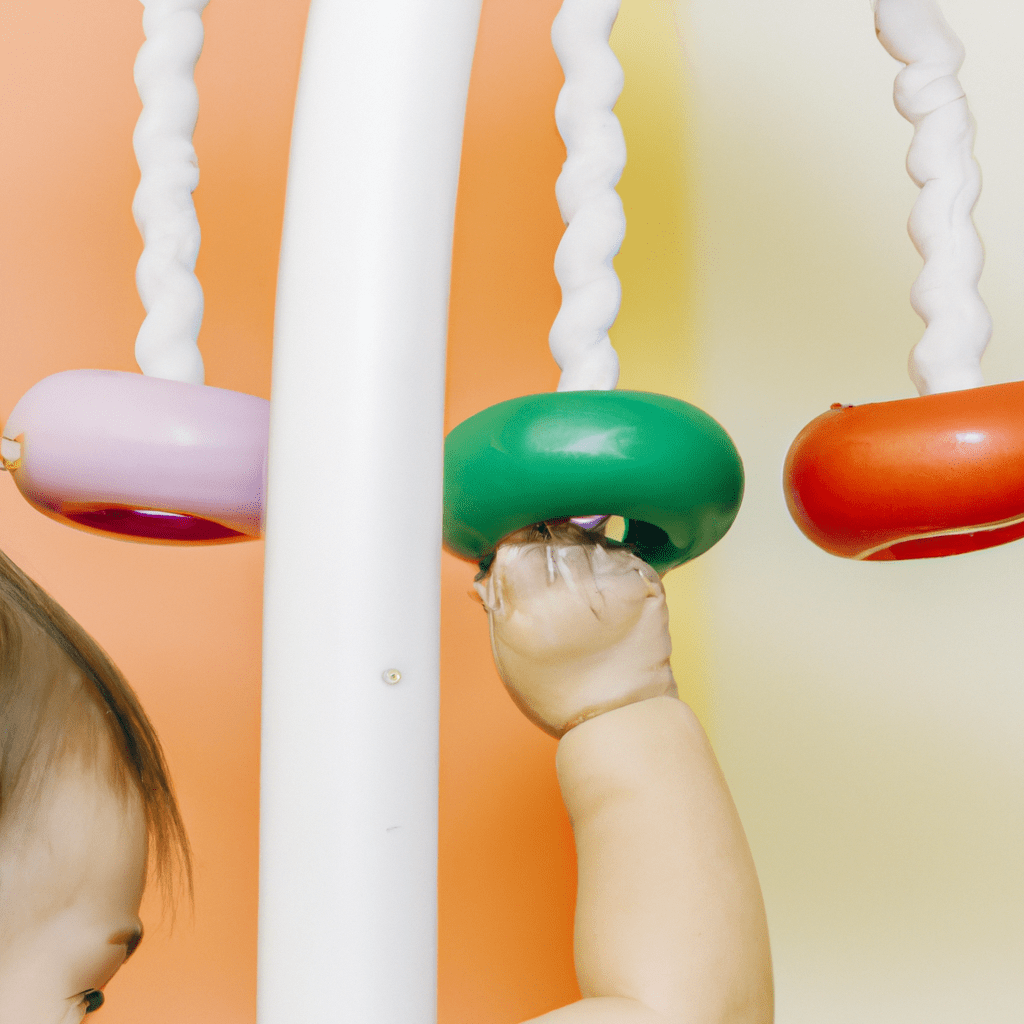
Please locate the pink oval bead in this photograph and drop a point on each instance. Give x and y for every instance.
(142, 457)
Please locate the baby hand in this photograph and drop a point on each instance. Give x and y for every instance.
(577, 628)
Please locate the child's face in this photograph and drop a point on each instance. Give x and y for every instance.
(70, 887)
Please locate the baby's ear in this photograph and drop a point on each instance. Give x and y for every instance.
(476, 593)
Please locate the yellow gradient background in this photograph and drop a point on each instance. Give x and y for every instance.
(868, 717)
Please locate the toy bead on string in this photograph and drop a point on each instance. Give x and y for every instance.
(164, 212)
(944, 473)
(587, 451)
(158, 458)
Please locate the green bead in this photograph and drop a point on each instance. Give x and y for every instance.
(663, 465)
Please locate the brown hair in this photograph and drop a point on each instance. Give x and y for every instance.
(61, 697)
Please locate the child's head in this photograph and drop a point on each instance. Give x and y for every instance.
(85, 803)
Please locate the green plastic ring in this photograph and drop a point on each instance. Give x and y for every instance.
(665, 466)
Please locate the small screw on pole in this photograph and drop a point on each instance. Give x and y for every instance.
(391, 676)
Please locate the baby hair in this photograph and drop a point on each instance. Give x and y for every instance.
(64, 703)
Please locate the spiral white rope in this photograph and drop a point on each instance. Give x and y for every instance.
(941, 162)
(163, 208)
(590, 206)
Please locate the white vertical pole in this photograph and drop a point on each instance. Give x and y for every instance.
(348, 885)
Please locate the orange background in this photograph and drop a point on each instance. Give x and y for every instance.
(184, 625)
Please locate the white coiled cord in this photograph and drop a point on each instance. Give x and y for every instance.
(163, 208)
(590, 206)
(941, 162)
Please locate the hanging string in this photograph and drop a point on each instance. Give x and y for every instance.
(163, 208)
(941, 163)
(590, 206)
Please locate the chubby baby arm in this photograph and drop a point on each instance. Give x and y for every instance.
(670, 925)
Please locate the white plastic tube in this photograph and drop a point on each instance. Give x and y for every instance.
(595, 155)
(164, 212)
(941, 163)
(348, 834)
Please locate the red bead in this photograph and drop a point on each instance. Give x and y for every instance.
(916, 478)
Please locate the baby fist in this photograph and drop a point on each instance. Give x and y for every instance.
(577, 628)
